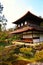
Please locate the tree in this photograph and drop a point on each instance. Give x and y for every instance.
(3, 20)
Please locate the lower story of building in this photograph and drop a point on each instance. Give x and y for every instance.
(31, 36)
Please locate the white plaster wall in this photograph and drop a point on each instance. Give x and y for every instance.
(41, 37)
(27, 36)
(35, 40)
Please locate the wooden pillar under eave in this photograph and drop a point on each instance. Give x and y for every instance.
(32, 36)
(39, 36)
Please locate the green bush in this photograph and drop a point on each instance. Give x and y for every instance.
(17, 51)
(39, 47)
(27, 52)
(39, 55)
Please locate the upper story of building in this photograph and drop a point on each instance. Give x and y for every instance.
(29, 19)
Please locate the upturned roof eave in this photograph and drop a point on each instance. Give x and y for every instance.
(28, 14)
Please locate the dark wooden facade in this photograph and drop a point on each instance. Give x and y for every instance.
(30, 27)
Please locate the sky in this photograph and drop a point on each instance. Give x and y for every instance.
(14, 9)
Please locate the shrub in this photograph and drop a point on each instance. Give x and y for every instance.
(39, 47)
(27, 52)
(39, 55)
(25, 49)
(17, 51)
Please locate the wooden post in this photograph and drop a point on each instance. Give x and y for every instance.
(32, 36)
(39, 36)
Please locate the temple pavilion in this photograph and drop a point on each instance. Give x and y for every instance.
(29, 28)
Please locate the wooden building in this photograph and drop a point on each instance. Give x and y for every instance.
(30, 28)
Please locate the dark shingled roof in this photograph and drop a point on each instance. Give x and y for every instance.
(24, 29)
(29, 16)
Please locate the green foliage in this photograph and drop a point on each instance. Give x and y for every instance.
(27, 52)
(3, 35)
(13, 53)
(7, 55)
(16, 37)
(12, 58)
(39, 55)
(4, 38)
(17, 51)
(39, 47)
